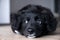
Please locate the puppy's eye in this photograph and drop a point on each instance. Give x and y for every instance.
(39, 21)
(26, 21)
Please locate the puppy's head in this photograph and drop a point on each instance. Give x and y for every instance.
(32, 25)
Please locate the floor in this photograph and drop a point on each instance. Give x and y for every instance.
(7, 34)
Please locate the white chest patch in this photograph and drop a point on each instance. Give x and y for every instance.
(31, 35)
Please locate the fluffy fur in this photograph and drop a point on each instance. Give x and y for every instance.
(33, 21)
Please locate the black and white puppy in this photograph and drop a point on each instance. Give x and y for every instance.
(33, 21)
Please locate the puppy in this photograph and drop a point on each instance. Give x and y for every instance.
(33, 21)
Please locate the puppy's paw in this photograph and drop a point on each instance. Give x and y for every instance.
(16, 31)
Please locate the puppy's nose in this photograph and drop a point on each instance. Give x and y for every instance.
(30, 30)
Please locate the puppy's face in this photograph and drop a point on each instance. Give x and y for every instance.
(32, 25)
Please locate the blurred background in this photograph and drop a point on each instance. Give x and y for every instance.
(12, 6)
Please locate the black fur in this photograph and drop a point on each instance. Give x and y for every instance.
(33, 14)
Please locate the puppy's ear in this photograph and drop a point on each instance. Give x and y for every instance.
(14, 21)
(50, 21)
(51, 26)
(13, 17)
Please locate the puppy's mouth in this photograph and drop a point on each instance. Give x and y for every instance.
(31, 35)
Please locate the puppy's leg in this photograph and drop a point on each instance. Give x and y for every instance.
(13, 20)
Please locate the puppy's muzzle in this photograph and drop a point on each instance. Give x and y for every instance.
(31, 33)
(30, 30)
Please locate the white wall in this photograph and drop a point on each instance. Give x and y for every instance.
(4, 11)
